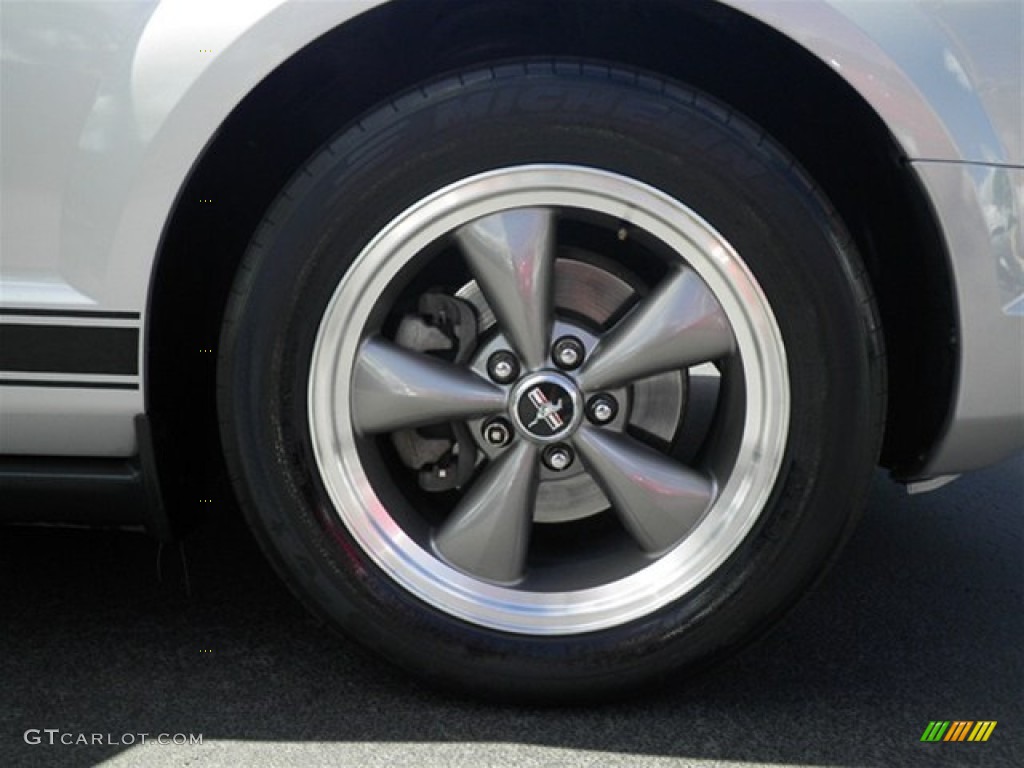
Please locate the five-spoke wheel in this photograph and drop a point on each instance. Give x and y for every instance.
(543, 381)
(550, 379)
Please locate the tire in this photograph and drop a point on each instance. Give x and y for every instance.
(549, 380)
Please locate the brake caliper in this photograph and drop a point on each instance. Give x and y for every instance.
(443, 455)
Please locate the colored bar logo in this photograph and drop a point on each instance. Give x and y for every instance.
(959, 730)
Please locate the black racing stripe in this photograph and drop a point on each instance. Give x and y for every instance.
(68, 349)
(70, 313)
(66, 384)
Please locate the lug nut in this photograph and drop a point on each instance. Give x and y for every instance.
(497, 432)
(602, 409)
(503, 367)
(568, 353)
(558, 458)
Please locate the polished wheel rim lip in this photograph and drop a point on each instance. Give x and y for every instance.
(740, 496)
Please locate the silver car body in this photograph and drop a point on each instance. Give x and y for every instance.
(106, 107)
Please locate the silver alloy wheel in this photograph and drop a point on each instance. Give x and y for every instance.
(683, 522)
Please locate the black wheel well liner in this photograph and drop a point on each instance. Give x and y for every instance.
(834, 134)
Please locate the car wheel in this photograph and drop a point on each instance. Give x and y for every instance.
(550, 379)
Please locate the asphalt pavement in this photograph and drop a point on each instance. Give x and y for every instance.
(921, 619)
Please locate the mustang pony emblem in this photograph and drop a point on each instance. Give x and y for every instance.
(546, 410)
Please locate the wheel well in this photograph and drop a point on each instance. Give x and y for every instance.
(829, 128)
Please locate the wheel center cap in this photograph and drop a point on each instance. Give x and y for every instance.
(546, 407)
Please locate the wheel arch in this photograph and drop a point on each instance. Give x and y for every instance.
(325, 85)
